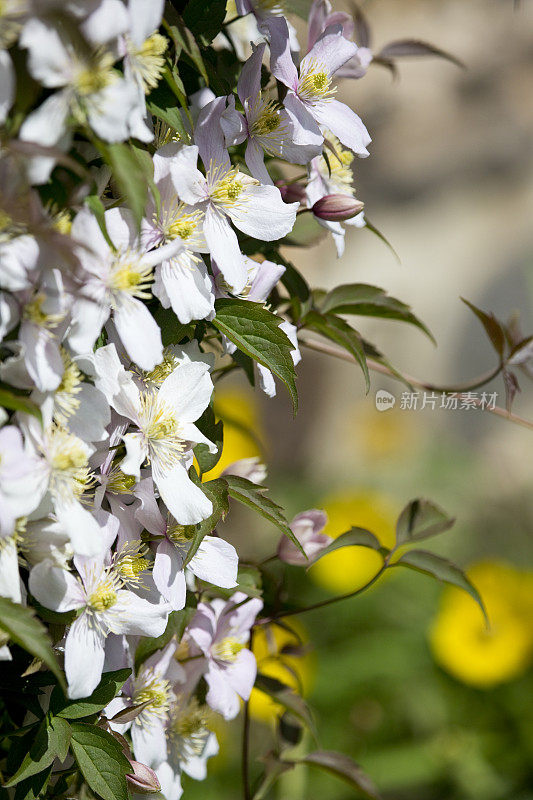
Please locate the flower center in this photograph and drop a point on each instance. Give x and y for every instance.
(70, 386)
(94, 75)
(149, 60)
(34, 312)
(104, 597)
(315, 84)
(120, 483)
(131, 562)
(129, 275)
(151, 688)
(268, 119)
(227, 185)
(227, 649)
(340, 161)
(161, 429)
(189, 730)
(68, 459)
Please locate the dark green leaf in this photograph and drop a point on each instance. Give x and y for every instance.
(177, 622)
(421, 519)
(33, 787)
(443, 570)
(102, 763)
(18, 402)
(362, 299)
(172, 330)
(343, 767)
(414, 47)
(214, 431)
(274, 768)
(97, 207)
(25, 630)
(51, 742)
(204, 18)
(337, 330)
(108, 688)
(184, 41)
(355, 537)
(253, 496)
(493, 327)
(161, 102)
(286, 697)
(217, 491)
(256, 332)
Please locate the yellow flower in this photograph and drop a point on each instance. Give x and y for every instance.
(349, 568)
(238, 411)
(473, 653)
(270, 644)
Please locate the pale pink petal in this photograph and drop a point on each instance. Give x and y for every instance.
(168, 574)
(84, 657)
(344, 124)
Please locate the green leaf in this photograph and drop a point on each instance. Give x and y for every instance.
(253, 496)
(421, 519)
(217, 491)
(414, 47)
(256, 332)
(493, 327)
(18, 402)
(286, 697)
(129, 175)
(355, 537)
(205, 18)
(102, 763)
(161, 102)
(51, 742)
(25, 630)
(97, 207)
(172, 330)
(214, 431)
(343, 767)
(443, 570)
(362, 299)
(274, 768)
(338, 331)
(184, 41)
(177, 622)
(33, 787)
(110, 685)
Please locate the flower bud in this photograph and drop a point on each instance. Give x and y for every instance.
(337, 207)
(143, 780)
(291, 192)
(307, 528)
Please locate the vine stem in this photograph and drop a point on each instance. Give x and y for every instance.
(322, 347)
(330, 600)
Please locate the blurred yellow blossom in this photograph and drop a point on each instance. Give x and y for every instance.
(349, 568)
(470, 651)
(238, 410)
(276, 652)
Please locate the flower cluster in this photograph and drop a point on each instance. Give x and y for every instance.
(140, 216)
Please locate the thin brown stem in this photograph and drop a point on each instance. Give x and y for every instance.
(322, 347)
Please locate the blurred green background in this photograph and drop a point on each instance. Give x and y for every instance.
(405, 679)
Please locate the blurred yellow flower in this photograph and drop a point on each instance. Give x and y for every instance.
(238, 410)
(272, 647)
(350, 568)
(381, 434)
(461, 642)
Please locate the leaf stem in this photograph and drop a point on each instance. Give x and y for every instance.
(322, 347)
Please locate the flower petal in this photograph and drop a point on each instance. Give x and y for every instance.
(139, 332)
(224, 248)
(84, 657)
(216, 562)
(344, 124)
(168, 574)
(185, 501)
(264, 216)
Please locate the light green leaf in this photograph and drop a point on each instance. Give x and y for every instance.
(129, 174)
(18, 402)
(102, 763)
(442, 569)
(252, 495)
(286, 697)
(110, 685)
(97, 207)
(24, 629)
(184, 41)
(256, 332)
(421, 519)
(161, 102)
(217, 491)
(355, 537)
(362, 299)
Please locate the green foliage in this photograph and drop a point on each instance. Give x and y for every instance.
(130, 175)
(214, 431)
(101, 761)
(253, 496)
(355, 537)
(51, 742)
(204, 18)
(19, 402)
(108, 688)
(24, 629)
(256, 332)
(343, 767)
(421, 519)
(217, 491)
(177, 622)
(337, 330)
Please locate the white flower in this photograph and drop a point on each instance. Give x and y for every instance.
(105, 608)
(19, 477)
(165, 431)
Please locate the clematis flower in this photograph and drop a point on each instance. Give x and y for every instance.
(219, 631)
(266, 127)
(266, 378)
(307, 527)
(310, 100)
(215, 561)
(225, 194)
(334, 176)
(165, 431)
(321, 16)
(117, 282)
(18, 479)
(105, 608)
(7, 85)
(182, 281)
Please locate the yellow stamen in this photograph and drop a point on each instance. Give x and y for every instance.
(95, 74)
(104, 597)
(130, 275)
(227, 649)
(315, 84)
(152, 689)
(149, 60)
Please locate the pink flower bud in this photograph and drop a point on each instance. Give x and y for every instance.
(143, 779)
(307, 527)
(291, 192)
(337, 207)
